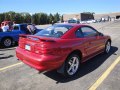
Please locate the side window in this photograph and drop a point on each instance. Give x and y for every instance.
(16, 28)
(88, 32)
(78, 33)
(23, 27)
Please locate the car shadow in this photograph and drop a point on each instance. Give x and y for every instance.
(2, 54)
(5, 57)
(85, 68)
(2, 47)
(5, 49)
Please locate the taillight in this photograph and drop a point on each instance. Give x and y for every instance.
(21, 42)
(40, 49)
(21, 45)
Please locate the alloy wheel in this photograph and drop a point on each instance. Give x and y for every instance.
(108, 47)
(73, 65)
(7, 42)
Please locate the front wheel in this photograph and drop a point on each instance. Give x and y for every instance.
(72, 65)
(107, 47)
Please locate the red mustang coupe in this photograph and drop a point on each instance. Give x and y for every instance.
(62, 47)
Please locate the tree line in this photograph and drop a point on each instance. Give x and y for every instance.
(37, 18)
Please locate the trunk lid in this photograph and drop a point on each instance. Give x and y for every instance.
(37, 44)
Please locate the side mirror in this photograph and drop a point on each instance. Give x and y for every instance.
(101, 34)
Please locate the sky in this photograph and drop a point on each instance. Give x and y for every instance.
(60, 6)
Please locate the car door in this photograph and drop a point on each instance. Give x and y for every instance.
(16, 32)
(93, 42)
(23, 28)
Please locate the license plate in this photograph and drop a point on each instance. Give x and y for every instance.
(27, 47)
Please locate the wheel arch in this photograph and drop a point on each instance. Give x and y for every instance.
(78, 52)
(7, 37)
(109, 41)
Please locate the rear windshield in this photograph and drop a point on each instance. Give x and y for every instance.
(54, 31)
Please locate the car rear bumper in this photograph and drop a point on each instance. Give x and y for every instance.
(39, 62)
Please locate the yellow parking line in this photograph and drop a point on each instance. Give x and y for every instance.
(104, 75)
(1, 69)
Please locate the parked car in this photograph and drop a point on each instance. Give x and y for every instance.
(10, 37)
(83, 22)
(98, 20)
(73, 21)
(62, 47)
(91, 21)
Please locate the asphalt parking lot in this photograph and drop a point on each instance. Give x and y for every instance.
(101, 72)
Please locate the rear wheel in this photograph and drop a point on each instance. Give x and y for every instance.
(7, 42)
(107, 47)
(72, 65)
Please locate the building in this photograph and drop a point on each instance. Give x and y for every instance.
(107, 16)
(79, 16)
(87, 16)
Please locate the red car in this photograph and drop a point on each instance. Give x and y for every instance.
(62, 47)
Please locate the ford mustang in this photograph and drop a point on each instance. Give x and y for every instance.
(62, 47)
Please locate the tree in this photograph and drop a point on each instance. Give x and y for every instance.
(2, 17)
(11, 15)
(51, 18)
(24, 17)
(28, 18)
(62, 19)
(7, 17)
(56, 17)
(43, 18)
(35, 18)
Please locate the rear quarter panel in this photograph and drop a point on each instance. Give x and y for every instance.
(64, 47)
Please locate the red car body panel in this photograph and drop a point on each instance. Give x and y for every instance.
(39, 62)
(50, 53)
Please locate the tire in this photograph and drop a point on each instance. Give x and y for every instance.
(7, 42)
(107, 47)
(72, 65)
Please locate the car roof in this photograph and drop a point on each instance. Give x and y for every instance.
(19, 24)
(16, 24)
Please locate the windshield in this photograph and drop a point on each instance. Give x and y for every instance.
(54, 31)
